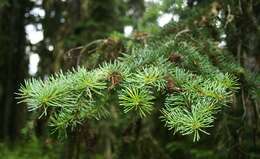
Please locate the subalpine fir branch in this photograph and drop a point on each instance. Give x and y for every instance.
(196, 89)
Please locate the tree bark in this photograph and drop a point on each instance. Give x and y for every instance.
(13, 67)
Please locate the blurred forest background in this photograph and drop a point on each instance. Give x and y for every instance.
(40, 37)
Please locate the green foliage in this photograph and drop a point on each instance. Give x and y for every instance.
(195, 88)
(177, 74)
(190, 122)
(31, 149)
(4, 3)
(152, 76)
(136, 99)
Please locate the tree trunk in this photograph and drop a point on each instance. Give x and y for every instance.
(13, 67)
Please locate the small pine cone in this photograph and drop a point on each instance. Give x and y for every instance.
(114, 78)
(110, 41)
(175, 58)
(140, 36)
(171, 86)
